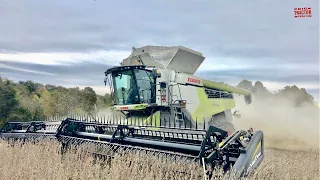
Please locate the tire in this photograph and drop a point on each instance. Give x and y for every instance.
(223, 121)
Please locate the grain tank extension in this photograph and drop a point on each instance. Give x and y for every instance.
(157, 82)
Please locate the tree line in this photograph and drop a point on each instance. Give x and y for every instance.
(297, 96)
(26, 101)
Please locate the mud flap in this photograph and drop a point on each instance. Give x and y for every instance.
(251, 158)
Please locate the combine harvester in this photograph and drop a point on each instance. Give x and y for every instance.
(176, 115)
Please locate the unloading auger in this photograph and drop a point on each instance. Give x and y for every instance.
(156, 88)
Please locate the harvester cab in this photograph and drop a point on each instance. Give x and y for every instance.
(158, 84)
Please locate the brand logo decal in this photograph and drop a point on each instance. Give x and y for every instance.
(253, 162)
(196, 81)
(124, 108)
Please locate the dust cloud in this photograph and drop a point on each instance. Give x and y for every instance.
(285, 126)
(107, 112)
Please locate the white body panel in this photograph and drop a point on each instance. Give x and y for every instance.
(177, 89)
(188, 93)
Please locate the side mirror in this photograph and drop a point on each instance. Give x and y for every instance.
(105, 81)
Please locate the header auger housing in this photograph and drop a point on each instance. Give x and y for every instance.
(168, 112)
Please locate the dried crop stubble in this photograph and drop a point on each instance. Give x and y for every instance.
(287, 165)
(43, 161)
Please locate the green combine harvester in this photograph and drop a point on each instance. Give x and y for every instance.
(167, 112)
(156, 83)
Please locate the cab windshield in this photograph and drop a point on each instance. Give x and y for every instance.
(133, 86)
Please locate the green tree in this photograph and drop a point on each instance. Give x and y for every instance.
(60, 103)
(74, 99)
(296, 95)
(260, 90)
(38, 114)
(45, 98)
(245, 84)
(8, 101)
(50, 87)
(30, 85)
(107, 99)
(89, 99)
(20, 114)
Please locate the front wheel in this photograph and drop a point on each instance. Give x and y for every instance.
(223, 121)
